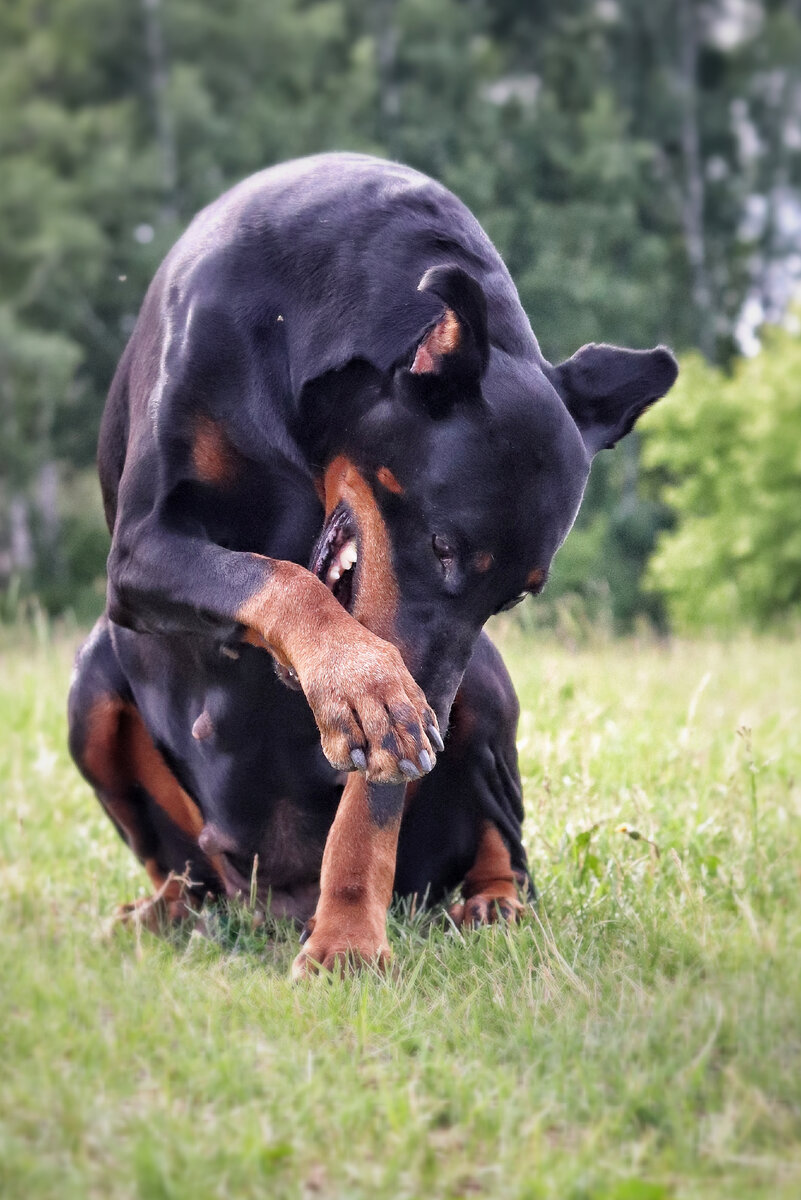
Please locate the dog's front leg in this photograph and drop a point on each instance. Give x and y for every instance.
(349, 927)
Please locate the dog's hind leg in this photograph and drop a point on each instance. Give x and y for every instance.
(150, 810)
(462, 824)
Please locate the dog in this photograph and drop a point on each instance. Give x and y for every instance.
(331, 451)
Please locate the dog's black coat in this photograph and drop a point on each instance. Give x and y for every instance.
(290, 315)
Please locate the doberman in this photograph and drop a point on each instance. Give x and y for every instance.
(331, 450)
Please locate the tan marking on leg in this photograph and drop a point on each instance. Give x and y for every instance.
(151, 771)
(377, 596)
(213, 456)
(154, 872)
(490, 886)
(171, 904)
(492, 867)
(352, 674)
(356, 880)
(119, 752)
(290, 614)
(105, 762)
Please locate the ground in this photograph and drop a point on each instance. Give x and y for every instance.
(638, 1038)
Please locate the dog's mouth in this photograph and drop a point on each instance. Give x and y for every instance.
(336, 559)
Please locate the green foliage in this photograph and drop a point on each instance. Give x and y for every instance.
(611, 150)
(36, 369)
(636, 1038)
(725, 454)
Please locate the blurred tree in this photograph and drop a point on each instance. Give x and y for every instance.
(725, 455)
(638, 166)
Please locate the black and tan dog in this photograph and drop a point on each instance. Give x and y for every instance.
(331, 451)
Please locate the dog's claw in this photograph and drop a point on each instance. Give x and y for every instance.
(485, 909)
(305, 935)
(425, 762)
(359, 759)
(435, 738)
(407, 768)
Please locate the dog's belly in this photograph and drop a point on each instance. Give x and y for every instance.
(265, 790)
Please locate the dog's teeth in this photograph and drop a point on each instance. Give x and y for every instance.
(348, 555)
(343, 562)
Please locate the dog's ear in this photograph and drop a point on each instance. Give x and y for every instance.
(606, 388)
(456, 349)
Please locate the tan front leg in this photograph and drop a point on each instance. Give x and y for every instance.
(349, 927)
(363, 698)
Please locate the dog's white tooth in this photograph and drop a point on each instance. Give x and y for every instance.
(334, 573)
(348, 555)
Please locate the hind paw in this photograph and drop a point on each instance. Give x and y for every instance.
(485, 908)
(168, 909)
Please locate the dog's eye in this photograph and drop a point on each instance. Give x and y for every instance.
(443, 550)
(512, 603)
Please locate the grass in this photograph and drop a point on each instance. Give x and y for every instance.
(638, 1038)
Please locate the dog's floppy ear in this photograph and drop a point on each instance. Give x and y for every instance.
(606, 388)
(456, 349)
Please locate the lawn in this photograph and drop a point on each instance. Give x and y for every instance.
(638, 1037)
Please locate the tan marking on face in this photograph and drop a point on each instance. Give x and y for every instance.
(388, 480)
(535, 577)
(443, 339)
(213, 456)
(377, 596)
(491, 874)
(482, 561)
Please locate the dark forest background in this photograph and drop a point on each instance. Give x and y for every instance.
(637, 163)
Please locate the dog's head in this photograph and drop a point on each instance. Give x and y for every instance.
(453, 488)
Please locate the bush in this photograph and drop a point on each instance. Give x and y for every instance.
(724, 452)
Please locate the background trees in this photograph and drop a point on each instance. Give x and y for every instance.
(637, 164)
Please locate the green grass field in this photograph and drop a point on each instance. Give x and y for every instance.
(639, 1037)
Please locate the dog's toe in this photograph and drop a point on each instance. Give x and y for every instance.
(485, 909)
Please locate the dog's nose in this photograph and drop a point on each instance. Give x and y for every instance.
(441, 705)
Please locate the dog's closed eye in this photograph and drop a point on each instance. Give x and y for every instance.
(444, 551)
(534, 584)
